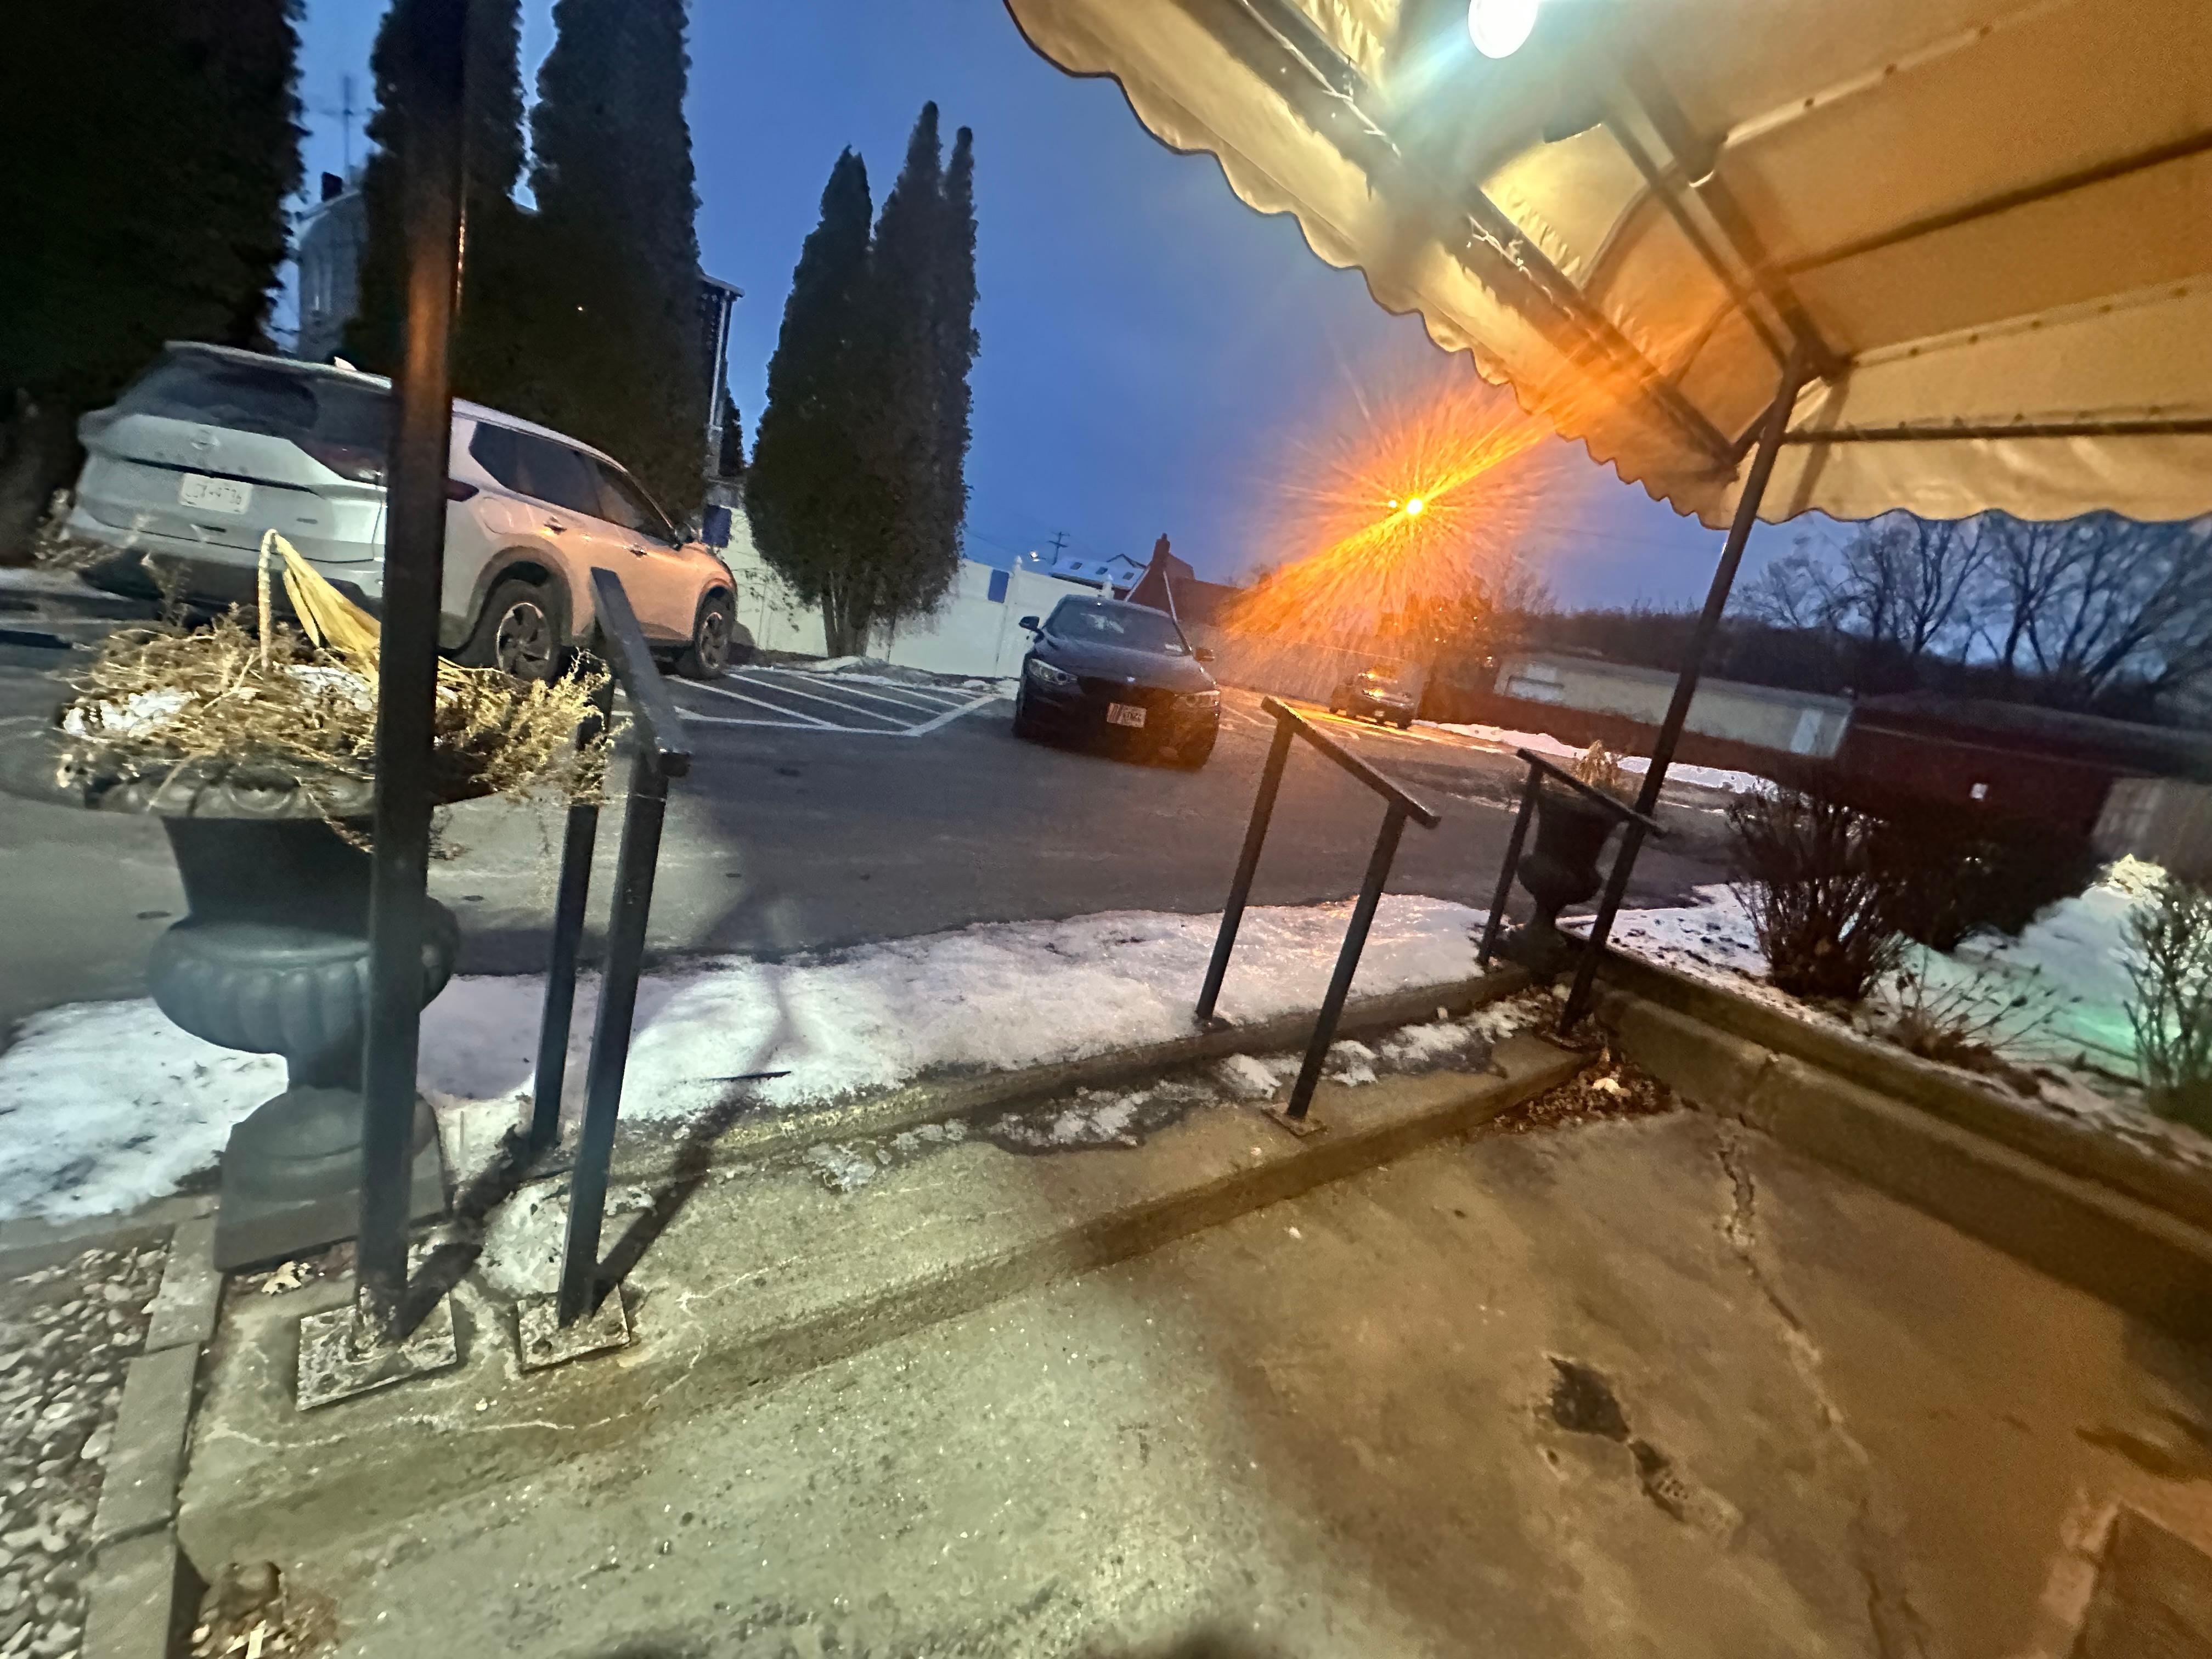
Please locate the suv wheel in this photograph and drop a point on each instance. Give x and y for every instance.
(520, 632)
(708, 653)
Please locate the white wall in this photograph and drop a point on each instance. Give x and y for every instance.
(1797, 722)
(973, 633)
(773, 616)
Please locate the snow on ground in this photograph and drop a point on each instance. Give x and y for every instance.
(106, 1105)
(1542, 743)
(2056, 996)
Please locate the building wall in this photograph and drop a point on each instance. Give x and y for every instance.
(770, 616)
(973, 632)
(2166, 820)
(1796, 722)
(329, 260)
(2011, 781)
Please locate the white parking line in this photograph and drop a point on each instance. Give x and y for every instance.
(798, 714)
(813, 725)
(899, 712)
(924, 695)
(782, 690)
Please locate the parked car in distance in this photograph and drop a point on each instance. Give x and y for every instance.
(1108, 670)
(1375, 694)
(211, 447)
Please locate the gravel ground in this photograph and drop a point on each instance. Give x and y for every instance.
(65, 1335)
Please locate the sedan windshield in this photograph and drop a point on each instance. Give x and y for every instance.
(1132, 626)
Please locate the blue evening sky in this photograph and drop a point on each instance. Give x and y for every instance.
(1154, 352)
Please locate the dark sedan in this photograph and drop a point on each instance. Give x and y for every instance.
(1104, 669)
(1375, 694)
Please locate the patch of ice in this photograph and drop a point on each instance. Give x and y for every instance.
(524, 1239)
(1415, 1046)
(1352, 1064)
(843, 1169)
(1245, 1077)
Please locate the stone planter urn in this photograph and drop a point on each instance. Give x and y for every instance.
(273, 959)
(1571, 831)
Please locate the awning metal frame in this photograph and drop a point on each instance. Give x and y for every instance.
(1543, 293)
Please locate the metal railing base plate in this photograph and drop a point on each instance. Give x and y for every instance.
(1304, 1127)
(330, 1370)
(542, 1340)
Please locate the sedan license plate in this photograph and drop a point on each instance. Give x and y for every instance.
(217, 495)
(1124, 713)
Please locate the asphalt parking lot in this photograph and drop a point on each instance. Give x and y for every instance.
(823, 811)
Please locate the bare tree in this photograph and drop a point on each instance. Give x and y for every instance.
(1901, 583)
(1797, 590)
(2027, 566)
(2131, 603)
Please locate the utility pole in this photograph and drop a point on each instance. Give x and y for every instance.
(345, 112)
(1059, 545)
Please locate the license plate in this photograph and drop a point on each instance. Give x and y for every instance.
(1124, 713)
(216, 494)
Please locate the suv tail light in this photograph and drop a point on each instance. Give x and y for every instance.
(357, 462)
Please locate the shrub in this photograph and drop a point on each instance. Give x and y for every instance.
(1957, 869)
(2170, 963)
(1822, 907)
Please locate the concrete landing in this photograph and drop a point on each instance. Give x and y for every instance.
(758, 1273)
(1652, 1388)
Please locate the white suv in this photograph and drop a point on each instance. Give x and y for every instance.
(211, 447)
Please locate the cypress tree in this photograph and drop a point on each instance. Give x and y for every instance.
(954, 346)
(730, 464)
(815, 509)
(150, 146)
(899, 437)
(618, 362)
(492, 329)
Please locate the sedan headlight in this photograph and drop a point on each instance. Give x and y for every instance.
(1201, 699)
(1045, 674)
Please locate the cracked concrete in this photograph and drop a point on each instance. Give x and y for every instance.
(1334, 1426)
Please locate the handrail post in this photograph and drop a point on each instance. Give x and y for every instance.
(577, 846)
(1248, 862)
(1506, 871)
(610, 1033)
(1347, 961)
(429, 54)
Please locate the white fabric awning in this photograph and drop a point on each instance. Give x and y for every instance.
(1988, 223)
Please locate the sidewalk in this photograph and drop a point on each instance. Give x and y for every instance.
(1655, 1383)
(740, 1274)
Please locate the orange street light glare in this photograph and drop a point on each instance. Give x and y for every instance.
(1465, 450)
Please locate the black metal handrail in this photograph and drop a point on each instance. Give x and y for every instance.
(659, 754)
(1400, 806)
(1539, 770)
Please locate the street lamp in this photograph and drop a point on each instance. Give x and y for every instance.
(1500, 27)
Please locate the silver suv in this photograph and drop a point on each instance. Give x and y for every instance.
(211, 447)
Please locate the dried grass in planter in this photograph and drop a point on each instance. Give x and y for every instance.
(279, 706)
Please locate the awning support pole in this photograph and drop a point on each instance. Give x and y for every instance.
(415, 545)
(1686, 684)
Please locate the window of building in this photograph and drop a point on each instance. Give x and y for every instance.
(999, 585)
